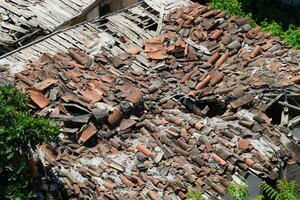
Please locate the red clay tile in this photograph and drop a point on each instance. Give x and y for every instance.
(92, 94)
(242, 101)
(127, 182)
(154, 44)
(68, 97)
(158, 55)
(249, 161)
(180, 22)
(115, 117)
(175, 120)
(126, 123)
(217, 77)
(24, 79)
(184, 147)
(246, 123)
(38, 97)
(49, 152)
(209, 13)
(79, 56)
(135, 96)
(221, 60)
(108, 78)
(244, 144)
(296, 79)
(109, 184)
(199, 125)
(203, 83)
(145, 150)
(87, 133)
(45, 84)
(296, 69)
(133, 50)
(218, 159)
(255, 51)
(174, 134)
(216, 34)
(213, 57)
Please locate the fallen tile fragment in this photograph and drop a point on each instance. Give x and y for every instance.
(133, 50)
(45, 84)
(86, 134)
(145, 150)
(38, 98)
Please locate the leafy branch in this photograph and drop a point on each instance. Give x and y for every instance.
(19, 131)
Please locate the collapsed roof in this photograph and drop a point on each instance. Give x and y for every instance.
(159, 102)
(21, 21)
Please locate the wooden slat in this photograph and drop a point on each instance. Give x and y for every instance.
(130, 24)
(64, 36)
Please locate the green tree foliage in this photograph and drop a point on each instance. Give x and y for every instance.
(285, 190)
(19, 132)
(238, 192)
(292, 36)
(269, 190)
(267, 14)
(234, 7)
(194, 195)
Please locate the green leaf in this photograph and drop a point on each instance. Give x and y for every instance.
(238, 192)
(18, 128)
(194, 195)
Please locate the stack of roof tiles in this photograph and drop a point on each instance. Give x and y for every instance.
(196, 119)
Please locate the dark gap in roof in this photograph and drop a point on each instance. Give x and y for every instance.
(215, 107)
(151, 10)
(276, 110)
(145, 23)
(105, 9)
(151, 26)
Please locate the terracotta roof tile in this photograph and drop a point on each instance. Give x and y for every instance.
(38, 97)
(187, 108)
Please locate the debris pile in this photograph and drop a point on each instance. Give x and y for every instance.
(200, 118)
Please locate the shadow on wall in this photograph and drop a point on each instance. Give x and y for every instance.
(109, 6)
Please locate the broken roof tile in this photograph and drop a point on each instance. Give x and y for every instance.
(146, 115)
(86, 134)
(38, 97)
(45, 84)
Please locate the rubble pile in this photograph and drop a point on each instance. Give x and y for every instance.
(199, 118)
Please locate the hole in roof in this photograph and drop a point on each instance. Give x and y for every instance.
(105, 9)
(215, 107)
(285, 105)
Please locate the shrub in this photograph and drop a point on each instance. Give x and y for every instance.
(273, 27)
(285, 190)
(266, 14)
(194, 195)
(238, 192)
(19, 132)
(233, 7)
(292, 36)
